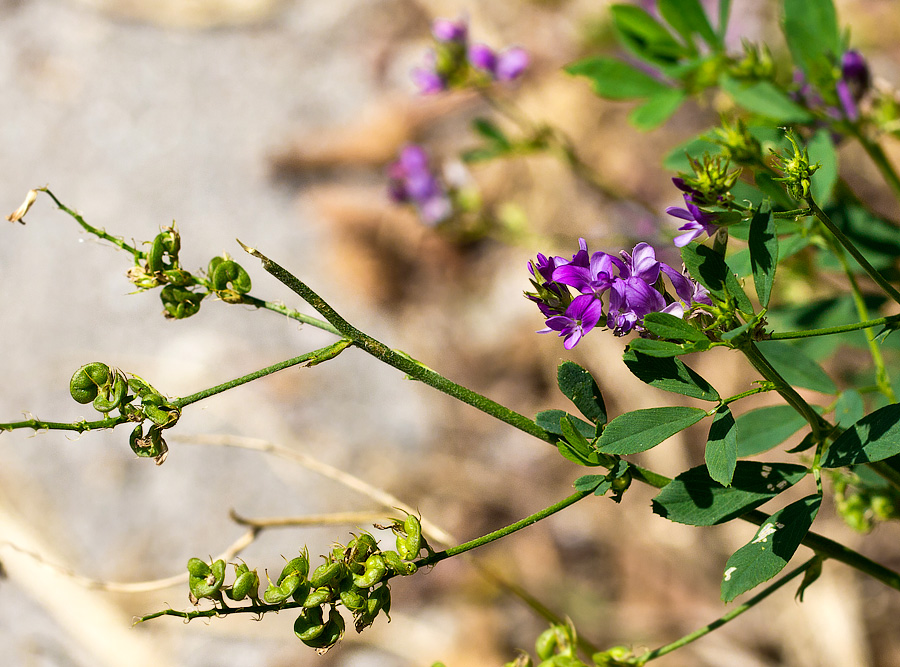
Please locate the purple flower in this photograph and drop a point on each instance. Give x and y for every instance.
(410, 179)
(698, 222)
(580, 317)
(511, 64)
(426, 78)
(641, 263)
(445, 30)
(483, 57)
(853, 84)
(593, 279)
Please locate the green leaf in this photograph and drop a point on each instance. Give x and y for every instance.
(795, 367)
(813, 37)
(640, 430)
(697, 499)
(763, 252)
(709, 268)
(676, 159)
(771, 549)
(873, 438)
(788, 246)
(578, 386)
(615, 80)
(669, 375)
(645, 36)
(764, 428)
(575, 447)
(670, 327)
(599, 484)
(721, 447)
(764, 99)
(490, 131)
(821, 149)
(658, 109)
(549, 420)
(688, 18)
(849, 408)
(663, 348)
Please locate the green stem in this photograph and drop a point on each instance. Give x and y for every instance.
(809, 333)
(289, 312)
(408, 365)
(79, 426)
(438, 556)
(762, 388)
(310, 358)
(820, 427)
(93, 230)
(719, 622)
(854, 252)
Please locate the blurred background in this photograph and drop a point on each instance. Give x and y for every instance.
(273, 121)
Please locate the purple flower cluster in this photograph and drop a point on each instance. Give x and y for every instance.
(850, 87)
(633, 283)
(453, 60)
(411, 180)
(698, 222)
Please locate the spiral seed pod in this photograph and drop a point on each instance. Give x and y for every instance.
(163, 254)
(546, 643)
(318, 597)
(278, 593)
(351, 596)
(204, 579)
(374, 572)
(229, 279)
(360, 548)
(379, 600)
(158, 410)
(398, 565)
(413, 529)
(298, 566)
(112, 394)
(179, 302)
(326, 573)
(334, 630)
(87, 380)
(246, 583)
(151, 445)
(309, 624)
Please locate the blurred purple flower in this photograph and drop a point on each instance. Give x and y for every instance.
(483, 57)
(411, 180)
(511, 64)
(446, 30)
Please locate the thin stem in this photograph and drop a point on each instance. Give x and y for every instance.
(79, 426)
(722, 620)
(854, 252)
(289, 312)
(762, 388)
(310, 358)
(843, 328)
(503, 532)
(138, 254)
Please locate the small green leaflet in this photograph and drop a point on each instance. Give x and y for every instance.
(669, 374)
(575, 446)
(763, 247)
(697, 499)
(763, 98)
(771, 549)
(764, 428)
(579, 386)
(708, 268)
(549, 421)
(615, 80)
(721, 447)
(797, 368)
(640, 430)
(873, 438)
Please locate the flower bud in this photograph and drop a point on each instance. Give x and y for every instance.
(19, 213)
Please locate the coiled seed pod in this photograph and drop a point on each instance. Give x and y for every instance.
(246, 583)
(278, 593)
(398, 565)
(163, 254)
(334, 630)
(351, 596)
(309, 624)
(180, 302)
(374, 572)
(326, 573)
(204, 579)
(87, 380)
(317, 597)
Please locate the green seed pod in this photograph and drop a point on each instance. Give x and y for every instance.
(374, 572)
(350, 596)
(334, 630)
(180, 302)
(309, 624)
(326, 573)
(208, 584)
(379, 600)
(197, 568)
(87, 380)
(151, 445)
(302, 593)
(546, 643)
(246, 583)
(229, 276)
(276, 594)
(158, 410)
(298, 566)
(413, 530)
(163, 254)
(112, 394)
(178, 277)
(317, 597)
(362, 547)
(398, 565)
